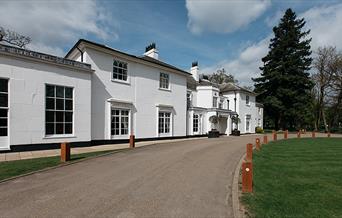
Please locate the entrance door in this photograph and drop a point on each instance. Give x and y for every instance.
(4, 143)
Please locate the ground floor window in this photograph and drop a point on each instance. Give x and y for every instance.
(58, 110)
(120, 122)
(3, 107)
(195, 122)
(164, 122)
(248, 123)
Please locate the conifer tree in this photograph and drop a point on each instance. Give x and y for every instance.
(285, 84)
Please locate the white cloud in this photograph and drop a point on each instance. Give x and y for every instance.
(223, 16)
(326, 30)
(54, 24)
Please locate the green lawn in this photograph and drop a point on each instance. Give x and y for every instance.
(19, 167)
(297, 178)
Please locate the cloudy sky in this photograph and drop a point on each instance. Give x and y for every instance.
(230, 34)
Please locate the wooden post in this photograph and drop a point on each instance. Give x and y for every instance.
(65, 152)
(247, 177)
(298, 134)
(249, 152)
(313, 134)
(131, 141)
(286, 134)
(329, 135)
(265, 140)
(257, 144)
(274, 133)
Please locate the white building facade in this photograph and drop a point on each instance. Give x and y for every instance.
(99, 95)
(43, 99)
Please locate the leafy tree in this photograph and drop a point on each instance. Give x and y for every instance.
(14, 38)
(285, 84)
(221, 76)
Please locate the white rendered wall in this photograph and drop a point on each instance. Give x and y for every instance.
(27, 100)
(142, 89)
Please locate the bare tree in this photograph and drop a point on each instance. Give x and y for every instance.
(14, 38)
(221, 76)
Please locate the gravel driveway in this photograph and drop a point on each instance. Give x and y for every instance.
(180, 179)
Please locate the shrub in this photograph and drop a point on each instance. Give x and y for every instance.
(258, 129)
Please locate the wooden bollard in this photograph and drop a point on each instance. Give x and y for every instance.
(329, 134)
(249, 152)
(65, 152)
(298, 134)
(313, 134)
(274, 133)
(247, 177)
(265, 140)
(286, 134)
(132, 141)
(257, 144)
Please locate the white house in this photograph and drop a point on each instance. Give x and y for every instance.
(133, 95)
(206, 99)
(99, 95)
(43, 99)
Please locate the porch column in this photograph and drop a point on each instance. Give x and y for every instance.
(229, 126)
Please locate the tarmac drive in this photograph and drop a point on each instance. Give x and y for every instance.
(179, 179)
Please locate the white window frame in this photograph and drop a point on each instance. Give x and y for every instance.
(126, 69)
(215, 102)
(249, 118)
(195, 124)
(248, 102)
(163, 133)
(55, 135)
(120, 135)
(6, 108)
(163, 81)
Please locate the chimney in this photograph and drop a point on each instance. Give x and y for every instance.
(151, 51)
(195, 70)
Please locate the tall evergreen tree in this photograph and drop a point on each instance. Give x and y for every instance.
(285, 83)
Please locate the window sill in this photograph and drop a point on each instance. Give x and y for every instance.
(58, 136)
(167, 90)
(121, 81)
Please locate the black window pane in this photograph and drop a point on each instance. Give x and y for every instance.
(50, 103)
(59, 128)
(68, 92)
(49, 128)
(59, 116)
(68, 128)
(68, 116)
(50, 91)
(60, 104)
(50, 116)
(3, 85)
(3, 131)
(60, 91)
(115, 76)
(3, 100)
(3, 122)
(3, 112)
(68, 104)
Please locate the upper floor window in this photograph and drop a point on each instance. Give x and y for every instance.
(164, 81)
(221, 104)
(59, 110)
(228, 104)
(188, 99)
(247, 99)
(214, 101)
(119, 70)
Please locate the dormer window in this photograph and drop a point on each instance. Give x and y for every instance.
(247, 100)
(119, 70)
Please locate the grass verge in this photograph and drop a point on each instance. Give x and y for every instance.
(297, 178)
(19, 167)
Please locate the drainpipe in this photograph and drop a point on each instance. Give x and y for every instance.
(80, 52)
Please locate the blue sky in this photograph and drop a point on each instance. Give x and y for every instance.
(227, 34)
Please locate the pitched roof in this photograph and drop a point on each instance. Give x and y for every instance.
(143, 58)
(228, 87)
